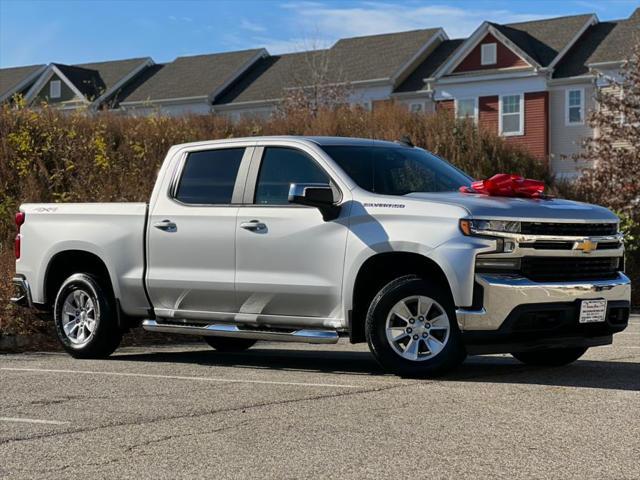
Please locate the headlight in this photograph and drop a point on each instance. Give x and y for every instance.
(486, 227)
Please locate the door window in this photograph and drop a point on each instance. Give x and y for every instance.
(280, 168)
(208, 177)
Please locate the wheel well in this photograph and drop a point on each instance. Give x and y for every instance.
(65, 264)
(379, 270)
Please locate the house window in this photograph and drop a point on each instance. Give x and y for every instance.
(488, 54)
(574, 106)
(416, 107)
(55, 89)
(467, 108)
(512, 115)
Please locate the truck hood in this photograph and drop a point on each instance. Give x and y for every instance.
(531, 209)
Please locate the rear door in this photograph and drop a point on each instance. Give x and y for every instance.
(191, 239)
(291, 267)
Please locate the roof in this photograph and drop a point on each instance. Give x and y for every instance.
(193, 76)
(87, 81)
(358, 59)
(318, 140)
(415, 81)
(544, 39)
(377, 56)
(10, 78)
(271, 76)
(114, 71)
(604, 42)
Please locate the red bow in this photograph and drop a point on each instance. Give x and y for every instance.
(506, 185)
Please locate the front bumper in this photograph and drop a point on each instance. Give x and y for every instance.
(518, 314)
(22, 295)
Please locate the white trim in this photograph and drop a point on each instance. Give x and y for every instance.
(239, 72)
(520, 132)
(123, 81)
(47, 74)
(476, 109)
(488, 54)
(471, 42)
(592, 21)
(149, 102)
(23, 83)
(440, 36)
(567, 94)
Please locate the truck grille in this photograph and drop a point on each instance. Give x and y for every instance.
(569, 229)
(541, 269)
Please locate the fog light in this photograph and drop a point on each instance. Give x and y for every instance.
(488, 265)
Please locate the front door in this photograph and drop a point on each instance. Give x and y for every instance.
(289, 261)
(191, 237)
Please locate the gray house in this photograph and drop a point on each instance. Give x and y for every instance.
(188, 84)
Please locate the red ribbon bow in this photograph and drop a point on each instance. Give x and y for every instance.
(506, 185)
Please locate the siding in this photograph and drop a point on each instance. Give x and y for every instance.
(536, 114)
(504, 56)
(566, 139)
(445, 106)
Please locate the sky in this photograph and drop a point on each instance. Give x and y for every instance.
(78, 31)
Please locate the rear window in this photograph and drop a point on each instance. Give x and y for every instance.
(208, 177)
(397, 170)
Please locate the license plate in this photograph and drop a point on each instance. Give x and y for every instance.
(592, 311)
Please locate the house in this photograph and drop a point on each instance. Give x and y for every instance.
(532, 82)
(369, 68)
(188, 84)
(90, 85)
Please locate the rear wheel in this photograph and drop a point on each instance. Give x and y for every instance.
(551, 357)
(85, 318)
(412, 330)
(228, 344)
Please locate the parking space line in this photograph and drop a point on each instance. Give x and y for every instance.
(31, 420)
(180, 377)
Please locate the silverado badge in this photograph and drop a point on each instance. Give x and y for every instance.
(587, 246)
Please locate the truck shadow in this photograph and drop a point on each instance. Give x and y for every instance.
(605, 374)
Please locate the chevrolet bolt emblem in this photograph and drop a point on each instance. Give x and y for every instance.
(587, 246)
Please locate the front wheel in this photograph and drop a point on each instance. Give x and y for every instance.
(550, 357)
(411, 328)
(85, 318)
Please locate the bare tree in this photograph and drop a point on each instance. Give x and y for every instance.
(614, 149)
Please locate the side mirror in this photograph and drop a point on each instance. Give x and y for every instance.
(319, 195)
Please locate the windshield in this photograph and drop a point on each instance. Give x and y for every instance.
(396, 170)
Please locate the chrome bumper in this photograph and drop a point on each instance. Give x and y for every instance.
(22, 294)
(503, 293)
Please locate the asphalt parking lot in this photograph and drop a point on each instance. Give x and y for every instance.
(300, 411)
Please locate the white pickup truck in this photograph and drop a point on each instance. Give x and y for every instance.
(307, 239)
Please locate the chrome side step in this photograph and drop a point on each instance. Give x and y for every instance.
(226, 330)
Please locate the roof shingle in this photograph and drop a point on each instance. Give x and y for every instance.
(194, 76)
(12, 77)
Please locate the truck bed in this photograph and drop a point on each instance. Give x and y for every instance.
(113, 232)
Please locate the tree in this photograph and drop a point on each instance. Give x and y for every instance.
(614, 149)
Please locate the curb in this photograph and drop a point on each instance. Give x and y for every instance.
(13, 343)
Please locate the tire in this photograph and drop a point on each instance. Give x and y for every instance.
(438, 347)
(551, 357)
(229, 345)
(85, 318)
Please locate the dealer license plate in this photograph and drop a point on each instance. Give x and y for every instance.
(592, 311)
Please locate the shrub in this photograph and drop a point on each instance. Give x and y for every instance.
(48, 156)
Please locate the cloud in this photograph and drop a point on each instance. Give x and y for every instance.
(367, 18)
(252, 27)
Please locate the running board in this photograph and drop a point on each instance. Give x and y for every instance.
(226, 330)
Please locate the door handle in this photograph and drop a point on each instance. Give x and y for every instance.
(166, 225)
(254, 226)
